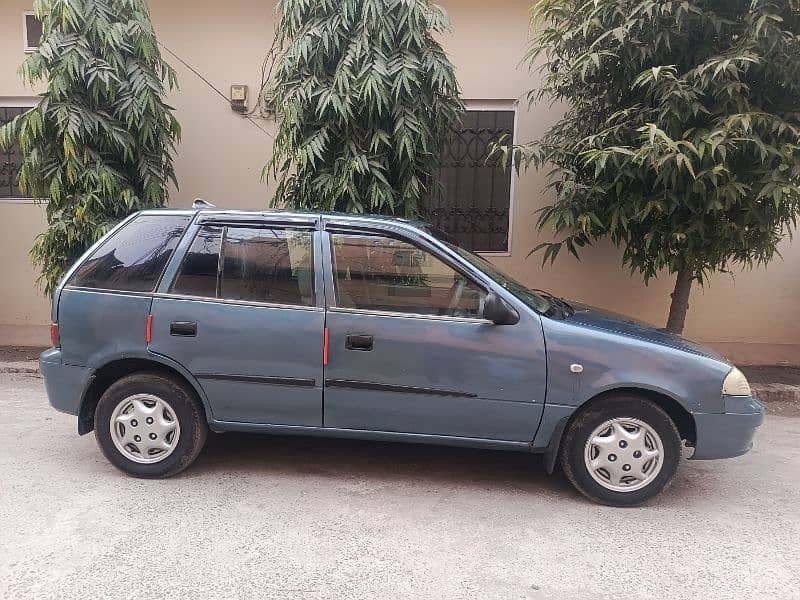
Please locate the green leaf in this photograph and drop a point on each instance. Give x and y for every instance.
(373, 77)
(98, 144)
(680, 131)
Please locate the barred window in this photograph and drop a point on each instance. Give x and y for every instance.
(10, 160)
(475, 206)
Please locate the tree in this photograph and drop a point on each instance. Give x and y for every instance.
(366, 98)
(681, 140)
(98, 144)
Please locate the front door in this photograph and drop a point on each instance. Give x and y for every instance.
(241, 314)
(408, 350)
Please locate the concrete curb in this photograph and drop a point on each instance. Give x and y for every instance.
(26, 366)
(777, 392)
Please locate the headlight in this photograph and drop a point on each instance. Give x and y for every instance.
(735, 384)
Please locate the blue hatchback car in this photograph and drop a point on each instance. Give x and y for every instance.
(181, 321)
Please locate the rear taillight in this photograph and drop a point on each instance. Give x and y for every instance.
(55, 338)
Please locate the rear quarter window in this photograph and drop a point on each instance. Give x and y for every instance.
(133, 259)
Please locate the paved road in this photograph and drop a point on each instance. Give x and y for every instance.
(262, 517)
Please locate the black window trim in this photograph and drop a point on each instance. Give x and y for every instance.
(398, 234)
(267, 224)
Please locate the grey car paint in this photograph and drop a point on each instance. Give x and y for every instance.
(98, 326)
(431, 376)
(509, 386)
(257, 364)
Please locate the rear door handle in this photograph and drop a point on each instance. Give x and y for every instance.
(358, 342)
(183, 328)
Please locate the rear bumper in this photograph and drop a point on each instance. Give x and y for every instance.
(64, 383)
(728, 434)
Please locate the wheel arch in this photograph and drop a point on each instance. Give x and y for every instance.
(683, 419)
(112, 371)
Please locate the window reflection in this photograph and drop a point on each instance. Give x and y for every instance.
(382, 273)
(133, 259)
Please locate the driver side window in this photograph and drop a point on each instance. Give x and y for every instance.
(374, 272)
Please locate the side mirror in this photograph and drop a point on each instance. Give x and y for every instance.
(498, 311)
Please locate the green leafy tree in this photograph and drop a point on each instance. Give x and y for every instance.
(98, 144)
(681, 140)
(365, 97)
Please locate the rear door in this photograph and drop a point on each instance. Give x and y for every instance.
(242, 313)
(410, 352)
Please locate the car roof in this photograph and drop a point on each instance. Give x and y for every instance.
(266, 214)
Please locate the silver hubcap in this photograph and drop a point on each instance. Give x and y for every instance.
(624, 454)
(144, 428)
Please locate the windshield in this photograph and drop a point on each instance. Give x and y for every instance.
(526, 295)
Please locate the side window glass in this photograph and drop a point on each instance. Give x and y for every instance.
(382, 273)
(198, 272)
(133, 259)
(268, 265)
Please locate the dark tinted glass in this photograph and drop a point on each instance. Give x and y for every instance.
(268, 265)
(133, 259)
(198, 272)
(33, 31)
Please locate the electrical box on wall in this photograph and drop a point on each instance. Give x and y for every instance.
(239, 98)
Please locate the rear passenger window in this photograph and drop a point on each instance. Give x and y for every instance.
(268, 265)
(133, 259)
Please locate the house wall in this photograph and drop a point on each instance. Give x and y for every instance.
(750, 315)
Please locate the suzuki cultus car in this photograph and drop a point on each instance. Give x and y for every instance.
(181, 321)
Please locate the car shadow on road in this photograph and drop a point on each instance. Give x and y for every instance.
(382, 462)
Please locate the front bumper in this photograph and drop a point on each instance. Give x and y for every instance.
(728, 434)
(65, 384)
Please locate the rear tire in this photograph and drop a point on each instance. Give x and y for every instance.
(621, 451)
(150, 425)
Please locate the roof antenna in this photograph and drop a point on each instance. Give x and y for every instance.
(200, 204)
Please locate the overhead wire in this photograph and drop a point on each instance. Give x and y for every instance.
(247, 116)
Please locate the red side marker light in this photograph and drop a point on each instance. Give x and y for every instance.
(55, 337)
(148, 330)
(325, 347)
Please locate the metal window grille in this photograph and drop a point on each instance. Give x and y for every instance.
(474, 207)
(10, 160)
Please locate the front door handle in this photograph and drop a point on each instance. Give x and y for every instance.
(359, 342)
(183, 328)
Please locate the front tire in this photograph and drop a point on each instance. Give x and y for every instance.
(621, 451)
(150, 425)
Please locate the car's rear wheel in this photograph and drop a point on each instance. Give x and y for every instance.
(621, 450)
(150, 425)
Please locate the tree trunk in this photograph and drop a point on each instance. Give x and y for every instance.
(680, 301)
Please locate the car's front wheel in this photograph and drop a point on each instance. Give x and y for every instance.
(150, 425)
(621, 450)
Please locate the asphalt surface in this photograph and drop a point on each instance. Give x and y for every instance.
(272, 517)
